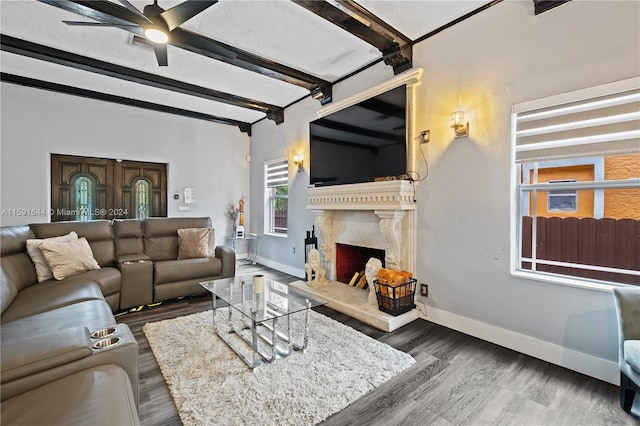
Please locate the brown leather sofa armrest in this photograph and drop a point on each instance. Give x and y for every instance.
(124, 353)
(228, 257)
(136, 285)
(34, 354)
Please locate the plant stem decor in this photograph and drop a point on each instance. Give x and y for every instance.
(232, 213)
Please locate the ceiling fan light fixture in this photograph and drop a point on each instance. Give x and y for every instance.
(156, 35)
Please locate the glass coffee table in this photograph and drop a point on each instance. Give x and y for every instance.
(262, 320)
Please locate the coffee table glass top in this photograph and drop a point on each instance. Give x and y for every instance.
(276, 299)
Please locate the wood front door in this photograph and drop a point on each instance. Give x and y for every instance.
(136, 180)
(84, 188)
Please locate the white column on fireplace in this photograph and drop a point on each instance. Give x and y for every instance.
(391, 229)
(324, 230)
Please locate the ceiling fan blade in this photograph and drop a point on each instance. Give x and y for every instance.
(98, 24)
(161, 54)
(181, 13)
(132, 8)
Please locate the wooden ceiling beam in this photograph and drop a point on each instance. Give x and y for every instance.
(92, 94)
(61, 57)
(396, 48)
(109, 12)
(541, 6)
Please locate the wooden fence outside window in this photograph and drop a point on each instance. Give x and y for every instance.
(609, 243)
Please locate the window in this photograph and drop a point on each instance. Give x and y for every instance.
(142, 200)
(276, 197)
(562, 200)
(577, 186)
(83, 198)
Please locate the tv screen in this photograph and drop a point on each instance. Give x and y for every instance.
(360, 143)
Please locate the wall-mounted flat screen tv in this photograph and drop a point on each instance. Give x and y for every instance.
(361, 143)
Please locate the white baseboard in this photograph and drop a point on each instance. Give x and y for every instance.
(599, 368)
(296, 272)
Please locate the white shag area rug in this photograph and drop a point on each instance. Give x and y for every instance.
(211, 385)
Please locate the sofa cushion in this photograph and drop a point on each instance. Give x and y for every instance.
(13, 239)
(17, 267)
(68, 258)
(98, 233)
(128, 236)
(48, 295)
(33, 249)
(168, 271)
(632, 354)
(8, 291)
(161, 235)
(100, 395)
(93, 314)
(19, 270)
(108, 279)
(194, 243)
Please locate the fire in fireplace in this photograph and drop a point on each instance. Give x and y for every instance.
(351, 261)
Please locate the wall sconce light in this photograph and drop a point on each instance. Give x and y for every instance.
(459, 126)
(298, 160)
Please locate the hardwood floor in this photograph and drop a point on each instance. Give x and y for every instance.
(457, 379)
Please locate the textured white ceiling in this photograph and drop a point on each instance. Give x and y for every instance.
(278, 30)
(419, 17)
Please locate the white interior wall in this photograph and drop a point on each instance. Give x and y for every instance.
(209, 157)
(484, 65)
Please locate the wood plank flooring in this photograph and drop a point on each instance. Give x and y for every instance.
(457, 379)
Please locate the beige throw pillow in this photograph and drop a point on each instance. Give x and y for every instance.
(42, 268)
(195, 242)
(67, 258)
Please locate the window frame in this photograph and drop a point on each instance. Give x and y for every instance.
(518, 188)
(269, 199)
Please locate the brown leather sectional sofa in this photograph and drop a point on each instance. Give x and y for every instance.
(54, 369)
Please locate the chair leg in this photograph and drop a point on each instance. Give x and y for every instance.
(627, 393)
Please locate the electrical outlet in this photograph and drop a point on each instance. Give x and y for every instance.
(425, 136)
(424, 290)
(293, 250)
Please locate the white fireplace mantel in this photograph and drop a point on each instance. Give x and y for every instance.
(382, 195)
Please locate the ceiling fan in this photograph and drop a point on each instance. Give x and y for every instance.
(157, 24)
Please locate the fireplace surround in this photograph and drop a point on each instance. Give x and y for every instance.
(381, 215)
